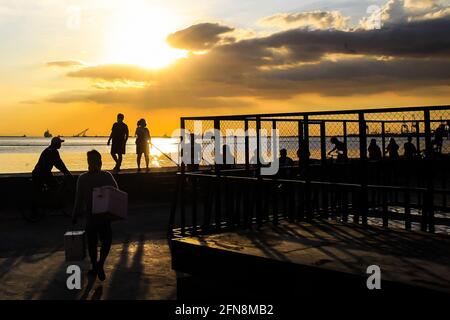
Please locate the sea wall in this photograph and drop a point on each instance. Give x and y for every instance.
(157, 185)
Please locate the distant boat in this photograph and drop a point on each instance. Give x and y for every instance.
(47, 134)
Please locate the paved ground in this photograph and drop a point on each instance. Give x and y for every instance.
(32, 264)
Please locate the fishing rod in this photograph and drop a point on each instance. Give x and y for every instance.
(168, 157)
(165, 154)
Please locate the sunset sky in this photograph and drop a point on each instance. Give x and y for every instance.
(71, 65)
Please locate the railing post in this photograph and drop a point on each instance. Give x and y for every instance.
(307, 195)
(217, 151)
(258, 172)
(428, 201)
(247, 146)
(194, 205)
(300, 141)
(418, 136)
(323, 143)
(344, 133)
(383, 139)
(192, 165)
(182, 179)
(258, 146)
(323, 157)
(182, 145)
(363, 166)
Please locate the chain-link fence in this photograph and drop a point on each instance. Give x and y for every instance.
(396, 132)
(383, 167)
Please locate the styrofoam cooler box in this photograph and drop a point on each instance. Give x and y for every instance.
(75, 245)
(110, 202)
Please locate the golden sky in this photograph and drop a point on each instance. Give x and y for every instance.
(68, 66)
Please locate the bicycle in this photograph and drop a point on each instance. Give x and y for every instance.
(49, 199)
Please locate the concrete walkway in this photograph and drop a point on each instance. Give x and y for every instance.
(32, 262)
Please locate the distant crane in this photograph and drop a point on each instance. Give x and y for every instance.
(82, 133)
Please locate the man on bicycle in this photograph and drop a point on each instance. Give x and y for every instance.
(42, 173)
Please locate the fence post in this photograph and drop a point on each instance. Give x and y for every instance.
(363, 166)
(383, 139)
(217, 151)
(192, 165)
(182, 179)
(258, 172)
(247, 146)
(418, 136)
(307, 195)
(428, 217)
(194, 204)
(182, 145)
(344, 133)
(323, 143)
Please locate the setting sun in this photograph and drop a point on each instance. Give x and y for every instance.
(138, 36)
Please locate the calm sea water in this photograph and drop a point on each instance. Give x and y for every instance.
(19, 155)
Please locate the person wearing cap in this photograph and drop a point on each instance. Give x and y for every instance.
(42, 173)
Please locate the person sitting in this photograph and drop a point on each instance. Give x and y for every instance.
(96, 226)
(285, 164)
(409, 148)
(374, 151)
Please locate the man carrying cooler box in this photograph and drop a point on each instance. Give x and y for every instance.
(97, 226)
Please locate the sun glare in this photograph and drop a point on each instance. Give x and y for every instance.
(138, 36)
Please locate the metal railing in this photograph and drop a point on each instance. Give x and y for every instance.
(383, 190)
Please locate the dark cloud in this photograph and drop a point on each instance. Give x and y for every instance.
(429, 38)
(398, 58)
(65, 63)
(358, 76)
(152, 98)
(199, 37)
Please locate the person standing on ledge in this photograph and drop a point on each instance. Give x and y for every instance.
(143, 139)
(119, 137)
(96, 226)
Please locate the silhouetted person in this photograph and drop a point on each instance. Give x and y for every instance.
(96, 226)
(340, 147)
(302, 153)
(439, 135)
(42, 173)
(410, 150)
(392, 149)
(285, 164)
(119, 137)
(374, 150)
(143, 139)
